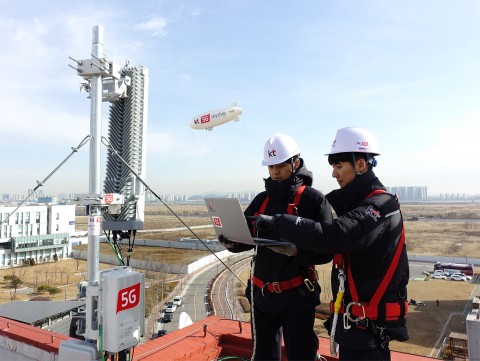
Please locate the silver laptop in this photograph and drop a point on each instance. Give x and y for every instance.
(228, 220)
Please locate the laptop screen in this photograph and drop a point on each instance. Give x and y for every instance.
(228, 220)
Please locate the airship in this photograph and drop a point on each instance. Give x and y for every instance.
(216, 117)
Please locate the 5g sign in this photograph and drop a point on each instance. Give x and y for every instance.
(128, 297)
(121, 289)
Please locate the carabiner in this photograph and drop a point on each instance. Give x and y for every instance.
(358, 318)
(309, 284)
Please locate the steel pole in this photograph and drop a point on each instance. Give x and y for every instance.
(94, 166)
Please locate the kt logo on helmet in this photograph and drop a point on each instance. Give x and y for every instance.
(271, 153)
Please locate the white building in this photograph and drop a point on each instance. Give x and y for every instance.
(38, 232)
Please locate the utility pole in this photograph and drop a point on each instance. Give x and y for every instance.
(94, 212)
(95, 71)
(115, 298)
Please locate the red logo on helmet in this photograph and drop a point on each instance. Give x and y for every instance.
(205, 118)
(363, 143)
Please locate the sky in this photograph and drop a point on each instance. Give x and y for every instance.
(409, 71)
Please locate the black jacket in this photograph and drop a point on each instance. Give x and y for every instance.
(270, 266)
(368, 230)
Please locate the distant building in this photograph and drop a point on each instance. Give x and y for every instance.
(414, 193)
(47, 199)
(38, 232)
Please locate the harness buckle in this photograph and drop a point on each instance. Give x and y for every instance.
(346, 324)
(309, 284)
(358, 318)
(276, 287)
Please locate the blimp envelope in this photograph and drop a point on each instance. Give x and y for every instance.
(216, 117)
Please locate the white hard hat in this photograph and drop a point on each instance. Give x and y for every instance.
(279, 148)
(354, 139)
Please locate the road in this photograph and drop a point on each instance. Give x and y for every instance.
(195, 294)
(418, 269)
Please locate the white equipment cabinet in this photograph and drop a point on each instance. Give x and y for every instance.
(121, 309)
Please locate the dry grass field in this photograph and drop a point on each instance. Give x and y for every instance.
(64, 275)
(433, 232)
(429, 230)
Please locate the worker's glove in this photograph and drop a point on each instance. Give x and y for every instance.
(288, 249)
(264, 223)
(226, 242)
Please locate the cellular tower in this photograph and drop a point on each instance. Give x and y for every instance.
(115, 298)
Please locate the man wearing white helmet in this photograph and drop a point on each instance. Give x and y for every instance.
(285, 289)
(368, 239)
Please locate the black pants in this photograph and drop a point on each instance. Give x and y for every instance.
(301, 342)
(348, 354)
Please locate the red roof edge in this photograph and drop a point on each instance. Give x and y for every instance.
(37, 337)
(215, 337)
(204, 340)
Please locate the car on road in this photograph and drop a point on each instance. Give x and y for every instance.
(171, 307)
(158, 334)
(161, 333)
(439, 276)
(458, 277)
(177, 300)
(469, 278)
(167, 317)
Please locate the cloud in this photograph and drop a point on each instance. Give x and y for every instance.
(156, 25)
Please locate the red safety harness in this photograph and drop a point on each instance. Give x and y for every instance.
(373, 310)
(280, 286)
(291, 208)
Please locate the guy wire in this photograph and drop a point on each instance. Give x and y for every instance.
(41, 183)
(109, 146)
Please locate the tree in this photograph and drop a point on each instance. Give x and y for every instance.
(54, 291)
(16, 278)
(14, 282)
(42, 289)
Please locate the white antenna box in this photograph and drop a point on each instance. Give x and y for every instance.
(122, 308)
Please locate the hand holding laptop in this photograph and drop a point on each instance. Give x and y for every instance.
(265, 223)
(226, 242)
